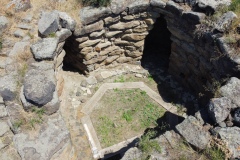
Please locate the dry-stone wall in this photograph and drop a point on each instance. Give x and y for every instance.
(109, 36)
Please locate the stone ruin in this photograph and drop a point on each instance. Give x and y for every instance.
(110, 36)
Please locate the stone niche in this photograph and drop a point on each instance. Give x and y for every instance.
(109, 36)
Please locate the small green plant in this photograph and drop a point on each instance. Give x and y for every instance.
(52, 35)
(30, 35)
(95, 3)
(147, 145)
(106, 129)
(120, 79)
(17, 124)
(215, 153)
(34, 121)
(127, 115)
(235, 6)
(22, 71)
(150, 77)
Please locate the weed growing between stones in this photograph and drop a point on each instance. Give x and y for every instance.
(17, 124)
(52, 35)
(148, 145)
(31, 119)
(214, 153)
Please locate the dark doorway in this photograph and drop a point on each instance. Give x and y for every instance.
(156, 58)
(157, 48)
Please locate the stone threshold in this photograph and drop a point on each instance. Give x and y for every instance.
(97, 150)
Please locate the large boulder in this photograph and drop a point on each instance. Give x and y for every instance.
(44, 48)
(3, 23)
(232, 90)
(192, 130)
(46, 69)
(219, 109)
(230, 135)
(52, 137)
(48, 23)
(39, 86)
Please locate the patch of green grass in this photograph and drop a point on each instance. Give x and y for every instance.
(34, 121)
(148, 145)
(39, 112)
(235, 6)
(128, 115)
(52, 35)
(150, 77)
(120, 79)
(106, 129)
(17, 124)
(124, 113)
(30, 35)
(214, 153)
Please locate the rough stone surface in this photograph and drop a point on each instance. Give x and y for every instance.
(209, 6)
(122, 25)
(138, 6)
(19, 48)
(63, 34)
(91, 14)
(232, 90)
(52, 137)
(158, 3)
(45, 48)
(89, 43)
(39, 86)
(219, 109)
(118, 6)
(66, 21)
(3, 23)
(225, 21)
(91, 80)
(20, 5)
(3, 111)
(192, 130)
(4, 128)
(230, 135)
(89, 28)
(132, 153)
(48, 23)
(8, 82)
(19, 33)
